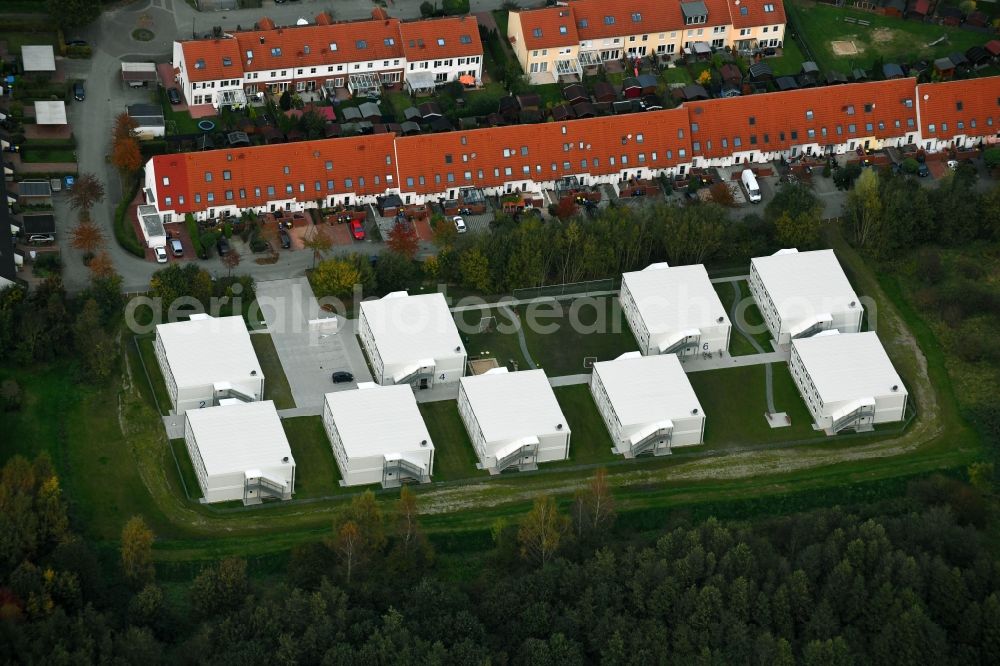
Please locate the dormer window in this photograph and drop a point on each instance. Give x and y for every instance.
(249, 55)
(361, 44)
(583, 23)
(536, 32)
(306, 49)
(226, 62)
(768, 8)
(464, 39)
(563, 30)
(333, 46)
(440, 41)
(958, 105)
(744, 11)
(389, 41)
(636, 17)
(276, 51)
(609, 20)
(199, 63)
(695, 13)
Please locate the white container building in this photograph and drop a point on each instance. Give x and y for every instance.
(411, 340)
(207, 359)
(239, 452)
(802, 293)
(513, 419)
(647, 404)
(378, 436)
(847, 381)
(675, 310)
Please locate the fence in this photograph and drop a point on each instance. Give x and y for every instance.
(566, 289)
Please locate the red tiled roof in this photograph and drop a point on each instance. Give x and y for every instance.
(365, 160)
(265, 23)
(452, 37)
(206, 58)
(752, 13)
(548, 28)
(776, 117)
(993, 46)
(968, 102)
(538, 147)
(310, 45)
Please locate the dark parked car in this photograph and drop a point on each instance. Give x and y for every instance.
(923, 171)
(174, 95)
(76, 42)
(222, 246)
(78, 92)
(342, 377)
(177, 247)
(286, 240)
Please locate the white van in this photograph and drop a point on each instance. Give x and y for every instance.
(751, 186)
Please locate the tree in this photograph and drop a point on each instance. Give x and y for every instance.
(124, 127)
(403, 239)
(981, 475)
(87, 190)
(802, 232)
(910, 166)
(220, 587)
(541, 531)
(137, 552)
(285, 101)
(73, 13)
(318, 241)
(359, 533)
(455, 7)
(474, 268)
(348, 543)
(102, 266)
(722, 194)
(94, 347)
(126, 156)
(10, 395)
(86, 235)
(427, 9)
(794, 199)
(844, 177)
(864, 206)
(335, 277)
(566, 208)
(411, 550)
(394, 272)
(594, 505)
(991, 158)
(445, 233)
(231, 260)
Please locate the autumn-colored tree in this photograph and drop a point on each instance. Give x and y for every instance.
(137, 552)
(445, 232)
(542, 531)
(125, 155)
(594, 506)
(86, 235)
(347, 543)
(403, 239)
(231, 260)
(319, 242)
(124, 128)
(722, 194)
(102, 266)
(335, 277)
(359, 533)
(87, 190)
(566, 208)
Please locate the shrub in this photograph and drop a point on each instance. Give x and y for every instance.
(844, 178)
(124, 231)
(192, 227)
(48, 263)
(79, 52)
(910, 166)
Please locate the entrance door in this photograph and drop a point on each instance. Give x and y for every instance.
(424, 384)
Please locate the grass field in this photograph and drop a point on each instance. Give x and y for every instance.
(16, 39)
(186, 469)
(498, 342)
(454, 457)
(895, 40)
(754, 319)
(738, 344)
(35, 155)
(159, 386)
(275, 382)
(790, 61)
(316, 472)
(589, 439)
(181, 122)
(567, 332)
(676, 75)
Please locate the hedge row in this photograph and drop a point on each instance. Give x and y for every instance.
(124, 231)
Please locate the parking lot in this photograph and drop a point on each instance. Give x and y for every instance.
(309, 353)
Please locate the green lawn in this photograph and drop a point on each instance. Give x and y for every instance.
(179, 448)
(738, 345)
(754, 319)
(896, 40)
(275, 383)
(399, 102)
(35, 155)
(454, 457)
(501, 17)
(790, 61)
(316, 472)
(179, 122)
(499, 341)
(551, 94)
(734, 402)
(677, 75)
(159, 386)
(589, 439)
(565, 334)
(16, 39)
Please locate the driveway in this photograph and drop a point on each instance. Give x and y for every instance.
(309, 353)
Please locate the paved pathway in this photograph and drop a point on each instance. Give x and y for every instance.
(716, 362)
(569, 380)
(527, 301)
(309, 354)
(438, 393)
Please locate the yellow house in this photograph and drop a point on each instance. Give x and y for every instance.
(545, 42)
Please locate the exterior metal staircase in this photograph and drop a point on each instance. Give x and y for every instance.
(853, 418)
(515, 457)
(264, 486)
(656, 442)
(397, 470)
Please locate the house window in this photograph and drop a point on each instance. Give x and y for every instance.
(609, 20)
(753, 120)
(852, 128)
(958, 105)
(167, 201)
(768, 8)
(809, 114)
(166, 181)
(229, 195)
(737, 142)
(211, 196)
(537, 32)
(869, 108)
(208, 176)
(227, 175)
(361, 44)
(276, 51)
(636, 17)
(931, 128)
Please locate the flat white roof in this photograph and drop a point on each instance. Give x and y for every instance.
(408, 328)
(848, 366)
(677, 298)
(513, 405)
(39, 58)
(378, 420)
(804, 284)
(50, 113)
(236, 438)
(208, 349)
(647, 389)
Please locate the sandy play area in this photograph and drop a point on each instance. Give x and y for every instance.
(844, 48)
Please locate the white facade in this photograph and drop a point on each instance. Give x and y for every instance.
(675, 310)
(207, 359)
(647, 404)
(240, 452)
(513, 419)
(377, 435)
(802, 293)
(411, 340)
(847, 381)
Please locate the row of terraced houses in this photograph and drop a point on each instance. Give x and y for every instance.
(609, 149)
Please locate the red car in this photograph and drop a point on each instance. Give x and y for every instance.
(357, 230)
